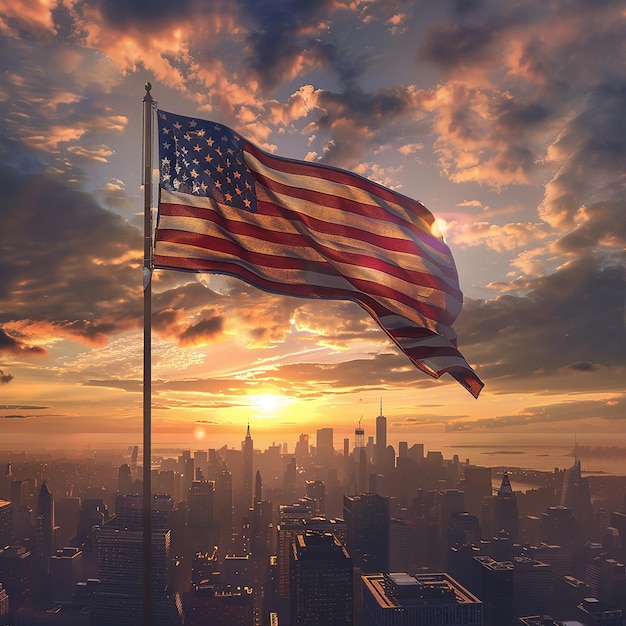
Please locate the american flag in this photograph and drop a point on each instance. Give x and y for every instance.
(305, 229)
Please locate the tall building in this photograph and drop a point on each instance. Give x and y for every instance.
(325, 451)
(316, 489)
(512, 589)
(559, 527)
(224, 507)
(321, 581)
(381, 440)
(6, 523)
(119, 543)
(66, 569)
(124, 479)
(302, 450)
(367, 526)
(576, 495)
(399, 599)
(4, 606)
(248, 456)
(505, 514)
(289, 525)
(15, 575)
(201, 515)
(44, 526)
(402, 545)
(258, 487)
(477, 488)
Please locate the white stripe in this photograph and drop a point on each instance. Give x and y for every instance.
(343, 245)
(332, 188)
(298, 277)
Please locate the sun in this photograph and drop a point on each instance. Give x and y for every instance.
(266, 403)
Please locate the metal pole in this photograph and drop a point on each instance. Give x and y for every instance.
(147, 358)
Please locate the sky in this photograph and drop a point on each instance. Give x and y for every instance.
(506, 119)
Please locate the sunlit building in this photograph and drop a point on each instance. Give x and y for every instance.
(435, 599)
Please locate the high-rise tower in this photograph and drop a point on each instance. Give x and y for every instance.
(321, 580)
(44, 525)
(248, 454)
(381, 439)
(505, 515)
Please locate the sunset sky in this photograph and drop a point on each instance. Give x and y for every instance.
(506, 119)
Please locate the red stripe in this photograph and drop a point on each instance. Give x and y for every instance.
(303, 240)
(325, 172)
(259, 259)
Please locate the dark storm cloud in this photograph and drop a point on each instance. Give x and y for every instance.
(62, 271)
(569, 412)
(593, 149)
(125, 13)
(5, 379)
(355, 120)
(14, 345)
(204, 331)
(573, 316)
(282, 31)
(452, 45)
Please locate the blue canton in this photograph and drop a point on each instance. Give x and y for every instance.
(204, 159)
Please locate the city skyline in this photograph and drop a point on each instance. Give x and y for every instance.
(505, 121)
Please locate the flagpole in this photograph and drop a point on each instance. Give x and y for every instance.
(147, 357)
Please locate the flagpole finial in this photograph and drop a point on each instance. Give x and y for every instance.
(148, 86)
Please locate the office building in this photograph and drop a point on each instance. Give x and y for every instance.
(367, 527)
(4, 606)
(119, 543)
(44, 526)
(248, 457)
(325, 451)
(403, 545)
(477, 488)
(15, 575)
(66, 569)
(6, 523)
(316, 490)
(381, 441)
(201, 517)
(505, 514)
(224, 513)
(217, 604)
(320, 581)
(400, 599)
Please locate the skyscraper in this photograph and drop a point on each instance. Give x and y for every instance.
(120, 566)
(367, 525)
(248, 455)
(325, 450)
(224, 507)
(321, 581)
(381, 440)
(505, 515)
(124, 479)
(201, 520)
(44, 525)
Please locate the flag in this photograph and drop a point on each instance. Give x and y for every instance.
(304, 229)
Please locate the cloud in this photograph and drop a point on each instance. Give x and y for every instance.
(15, 346)
(499, 237)
(572, 316)
(50, 225)
(202, 332)
(5, 379)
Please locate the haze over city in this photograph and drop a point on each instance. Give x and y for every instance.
(505, 119)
